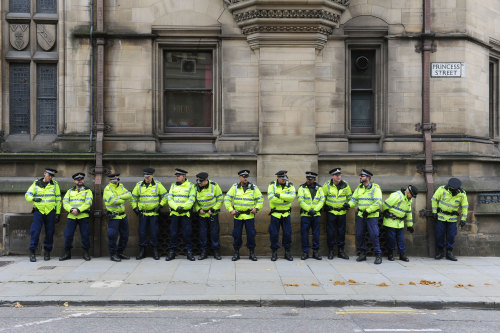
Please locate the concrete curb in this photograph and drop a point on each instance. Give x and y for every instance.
(298, 301)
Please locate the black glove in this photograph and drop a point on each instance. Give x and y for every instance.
(462, 224)
(211, 210)
(157, 209)
(312, 212)
(56, 220)
(435, 217)
(137, 211)
(410, 229)
(179, 209)
(277, 195)
(346, 206)
(37, 200)
(365, 214)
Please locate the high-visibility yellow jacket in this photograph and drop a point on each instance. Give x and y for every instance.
(80, 199)
(183, 195)
(336, 196)
(399, 205)
(115, 196)
(209, 197)
(284, 202)
(450, 207)
(244, 199)
(147, 197)
(367, 199)
(50, 193)
(307, 203)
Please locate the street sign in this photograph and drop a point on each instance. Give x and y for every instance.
(447, 69)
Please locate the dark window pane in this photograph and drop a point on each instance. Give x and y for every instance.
(47, 98)
(19, 88)
(361, 113)
(19, 6)
(188, 109)
(188, 69)
(46, 6)
(362, 65)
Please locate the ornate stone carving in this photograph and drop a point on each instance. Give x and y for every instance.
(19, 36)
(46, 36)
(286, 22)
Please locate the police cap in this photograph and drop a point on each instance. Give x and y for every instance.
(311, 175)
(51, 171)
(148, 172)
(413, 190)
(366, 173)
(454, 183)
(335, 171)
(244, 173)
(78, 175)
(180, 172)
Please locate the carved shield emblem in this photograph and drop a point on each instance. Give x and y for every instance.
(46, 36)
(19, 36)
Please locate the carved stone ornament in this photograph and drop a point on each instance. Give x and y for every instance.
(46, 36)
(19, 36)
(286, 22)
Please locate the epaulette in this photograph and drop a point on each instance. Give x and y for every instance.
(271, 182)
(213, 183)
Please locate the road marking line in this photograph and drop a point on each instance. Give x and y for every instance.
(208, 322)
(402, 330)
(235, 315)
(41, 322)
(106, 284)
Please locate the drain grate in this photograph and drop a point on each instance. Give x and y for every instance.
(46, 267)
(5, 263)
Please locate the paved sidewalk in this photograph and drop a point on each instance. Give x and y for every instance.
(423, 282)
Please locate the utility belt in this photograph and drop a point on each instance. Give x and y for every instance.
(147, 211)
(306, 212)
(243, 212)
(274, 210)
(455, 213)
(329, 208)
(390, 215)
(112, 215)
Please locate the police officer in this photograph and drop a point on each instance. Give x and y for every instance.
(311, 200)
(115, 195)
(337, 193)
(449, 205)
(243, 201)
(46, 197)
(280, 193)
(148, 197)
(368, 198)
(77, 202)
(181, 198)
(209, 200)
(397, 209)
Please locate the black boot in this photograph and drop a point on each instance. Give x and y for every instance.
(170, 256)
(203, 255)
(252, 255)
(66, 255)
(288, 255)
(439, 254)
(274, 255)
(450, 255)
(236, 255)
(142, 253)
(378, 259)
(123, 256)
(189, 256)
(46, 255)
(86, 255)
(361, 257)
(403, 257)
(217, 255)
(115, 257)
(316, 255)
(390, 256)
(156, 255)
(305, 255)
(331, 254)
(342, 254)
(32, 256)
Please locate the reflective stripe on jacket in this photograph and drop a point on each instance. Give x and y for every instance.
(50, 195)
(80, 199)
(209, 197)
(336, 196)
(399, 205)
(243, 200)
(447, 202)
(307, 203)
(367, 199)
(147, 198)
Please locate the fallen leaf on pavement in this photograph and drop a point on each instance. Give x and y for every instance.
(314, 284)
(66, 304)
(291, 284)
(351, 281)
(401, 284)
(487, 284)
(412, 283)
(18, 305)
(470, 285)
(459, 286)
(383, 284)
(336, 283)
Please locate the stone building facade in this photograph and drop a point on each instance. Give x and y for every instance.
(408, 89)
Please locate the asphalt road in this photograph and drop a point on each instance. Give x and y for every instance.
(244, 319)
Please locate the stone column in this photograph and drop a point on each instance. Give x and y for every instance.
(286, 35)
